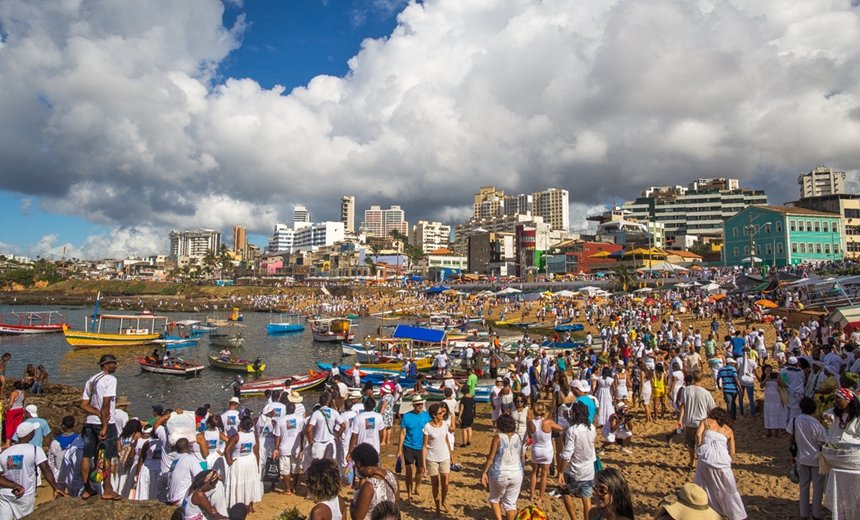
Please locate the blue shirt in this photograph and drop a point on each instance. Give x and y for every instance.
(738, 344)
(39, 433)
(414, 423)
(727, 376)
(589, 403)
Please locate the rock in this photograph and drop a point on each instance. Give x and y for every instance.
(78, 509)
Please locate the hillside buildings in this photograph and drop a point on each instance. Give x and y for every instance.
(185, 245)
(552, 205)
(821, 181)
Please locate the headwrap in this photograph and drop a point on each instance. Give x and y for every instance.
(845, 393)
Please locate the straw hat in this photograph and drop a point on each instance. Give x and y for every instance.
(448, 373)
(122, 401)
(692, 504)
(417, 399)
(512, 367)
(295, 397)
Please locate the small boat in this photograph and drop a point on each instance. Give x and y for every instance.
(512, 321)
(332, 329)
(482, 393)
(285, 323)
(178, 368)
(232, 338)
(561, 345)
(573, 327)
(245, 366)
(174, 343)
(299, 383)
(364, 371)
(116, 330)
(37, 322)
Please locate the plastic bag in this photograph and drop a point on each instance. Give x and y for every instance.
(271, 471)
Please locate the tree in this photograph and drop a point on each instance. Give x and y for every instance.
(413, 253)
(626, 277)
(225, 259)
(210, 261)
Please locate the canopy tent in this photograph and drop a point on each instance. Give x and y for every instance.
(767, 304)
(437, 289)
(401, 291)
(419, 334)
(845, 317)
(599, 254)
(643, 290)
(508, 290)
(565, 294)
(711, 287)
(663, 267)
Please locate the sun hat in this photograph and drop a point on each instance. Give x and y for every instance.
(32, 410)
(122, 401)
(355, 393)
(295, 397)
(417, 399)
(448, 373)
(107, 358)
(692, 504)
(499, 379)
(842, 393)
(25, 428)
(268, 409)
(147, 429)
(731, 361)
(512, 366)
(385, 389)
(234, 400)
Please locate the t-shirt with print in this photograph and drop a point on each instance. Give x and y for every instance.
(230, 418)
(289, 429)
(19, 465)
(325, 422)
(104, 387)
(366, 427)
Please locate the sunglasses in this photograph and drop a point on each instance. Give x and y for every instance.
(418, 404)
(601, 490)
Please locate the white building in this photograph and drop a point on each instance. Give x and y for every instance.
(381, 222)
(193, 244)
(282, 239)
(347, 213)
(821, 181)
(429, 236)
(447, 259)
(554, 206)
(301, 217)
(314, 236)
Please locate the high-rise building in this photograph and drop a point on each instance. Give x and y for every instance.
(519, 204)
(193, 244)
(381, 222)
(821, 181)
(429, 236)
(301, 217)
(554, 206)
(240, 240)
(282, 239)
(699, 209)
(347, 213)
(314, 236)
(489, 203)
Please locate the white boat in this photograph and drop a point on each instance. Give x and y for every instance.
(183, 368)
(220, 339)
(37, 322)
(332, 329)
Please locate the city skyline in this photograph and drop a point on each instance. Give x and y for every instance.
(116, 135)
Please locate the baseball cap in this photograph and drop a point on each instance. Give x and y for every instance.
(32, 410)
(107, 358)
(157, 409)
(25, 429)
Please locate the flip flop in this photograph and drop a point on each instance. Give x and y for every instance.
(115, 497)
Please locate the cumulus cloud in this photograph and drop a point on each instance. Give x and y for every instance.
(116, 112)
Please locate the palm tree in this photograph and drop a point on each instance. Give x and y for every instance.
(626, 276)
(210, 261)
(225, 260)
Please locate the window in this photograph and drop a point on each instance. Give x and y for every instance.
(779, 227)
(746, 231)
(767, 228)
(746, 250)
(809, 226)
(802, 247)
(792, 225)
(852, 213)
(834, 227)
(735, 251)
(817, 227)
(767, 250)
(794, 247)
(758, 250)
(827, 249)
(818, 248)
(835, 249)
(734, 232)
(800, 225)
(779, 250)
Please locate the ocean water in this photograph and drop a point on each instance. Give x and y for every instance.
(284, 355)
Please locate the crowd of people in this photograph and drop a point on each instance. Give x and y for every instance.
(694, 362)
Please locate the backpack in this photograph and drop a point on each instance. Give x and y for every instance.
(125, 454)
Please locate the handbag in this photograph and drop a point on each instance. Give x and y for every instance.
(271, 471)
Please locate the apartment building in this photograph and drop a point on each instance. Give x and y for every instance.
(821, 181)
(193, 244)
(429, 236)
(381, 222)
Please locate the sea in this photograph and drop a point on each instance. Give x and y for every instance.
(284, 355)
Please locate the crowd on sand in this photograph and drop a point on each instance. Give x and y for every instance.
(689, 361)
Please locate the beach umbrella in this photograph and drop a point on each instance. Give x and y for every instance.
(749, 259)
(767, 304)
(643, 290)
(716, 297)
(599, 254)
(565, 294)
(508, 290)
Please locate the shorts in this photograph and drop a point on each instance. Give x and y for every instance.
(289, 464)
(690, 437)
(579, 488)
(505, 490)
(415, 457)
(434, 468)
(90, 438)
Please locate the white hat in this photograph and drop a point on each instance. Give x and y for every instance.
(731, 361)
(295, 397)
(582, 385)
(25, 429)
(355, 393)
(234, 400)
(417, 399)
(268, 409)
(792, 360)
(32, 410)
(357, 364)
(385, 389)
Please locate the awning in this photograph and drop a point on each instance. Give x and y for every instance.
(419, 334)
(845, 317)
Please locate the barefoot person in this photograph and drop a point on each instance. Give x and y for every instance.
(437, 454)
(99, 401)
(412, 444)
(503, 469)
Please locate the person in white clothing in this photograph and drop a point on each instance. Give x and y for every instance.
(576, 472)
(807, 434)
(351, 410)
(503, 469)
(185, 467)
(321, 430)
(230, 418)
(19, 464)
(99, 401)
(289, 443)
(367, 427)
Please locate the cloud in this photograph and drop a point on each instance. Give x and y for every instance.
(117, 113)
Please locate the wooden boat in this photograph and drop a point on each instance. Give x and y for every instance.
(332, 329)
(181, 368)
(392, 366)
(220, 339)
(285, 324)
(174, 343)
(300, 383)
(245, 366)
(116, 330)
(37, 322)
(573, 327)
(482, 393)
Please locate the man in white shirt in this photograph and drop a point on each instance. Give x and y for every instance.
(18, 465)
(441, 362)
(323, 427)
(288, 446)
(356, 375)
(230, 418)
(831, 358)
(367, 427)
(99, 401)
(185, 467)
(351, 410)
(576, 468)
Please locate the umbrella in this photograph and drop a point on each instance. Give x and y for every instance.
(508, 290)
(565, 294)
(767, 304)
(643, 290)
(599, 254)
(716, 297)
(845, 317)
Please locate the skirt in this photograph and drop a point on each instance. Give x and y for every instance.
(243, 481)
(14, 418)
(147, 482)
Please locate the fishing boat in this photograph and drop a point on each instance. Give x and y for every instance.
(228, 337)
(284, 324)
(116, 330)
(572, 327)
(332, 329)
(180, 334)
(177, 368)
(482, 393)
(299, 383)
(37, 322)
(246, 366)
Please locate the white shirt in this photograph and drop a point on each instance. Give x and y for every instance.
(441, 360)
(579, 452)
(185, 467)
(348, 416)
(289, 429)
(280, 409)
(105, 386)
(437, 442)
(120, 418)
(230, 418)
(366, 427)
(18, 464)
(808, 433)
(325, 421)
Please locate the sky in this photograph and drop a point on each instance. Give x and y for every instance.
(124, 120)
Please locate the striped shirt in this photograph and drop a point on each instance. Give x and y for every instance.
(728, 376)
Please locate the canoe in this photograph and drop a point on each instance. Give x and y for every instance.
(573, 327)
(184, 369)
(300, 383)
(239, 365)
(225, 340)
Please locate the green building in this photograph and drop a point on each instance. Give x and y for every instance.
(781, 235)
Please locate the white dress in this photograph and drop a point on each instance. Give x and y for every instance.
(774, 410)
(621, 389)
(714, 475)
(604, 400)
(243, 476)
(542, 448)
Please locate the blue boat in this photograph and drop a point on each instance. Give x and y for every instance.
(561, 345)
(573, 327)
(284, 326)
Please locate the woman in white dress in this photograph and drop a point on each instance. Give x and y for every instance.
(540, 429)
(677, 385)
(716, 441)
(212, 442)
(127, 464)
(774, 409)
(602, 390)
(621, 393)
(242, 454)
(149, 452)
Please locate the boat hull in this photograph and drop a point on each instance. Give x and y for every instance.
(187, 371)
(300, 383)
(81, 340)
(328, 337)
(225, 340)
(245, 368)
(6, 328)
(284, 328)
